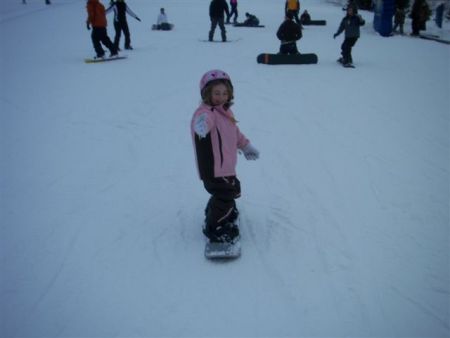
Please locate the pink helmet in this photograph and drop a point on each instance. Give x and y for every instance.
(215, 74)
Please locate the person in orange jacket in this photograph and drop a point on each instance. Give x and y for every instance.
(97, 20)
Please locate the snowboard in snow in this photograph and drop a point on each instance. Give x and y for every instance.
(219, 41)
(436, 38)
(245, 25)
(314, 23)
(92, 60)
(284, 59)
(215, 250)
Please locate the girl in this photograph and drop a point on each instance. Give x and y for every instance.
(217, 138)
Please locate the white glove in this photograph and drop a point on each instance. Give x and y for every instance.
(200, 125)
(250, 152)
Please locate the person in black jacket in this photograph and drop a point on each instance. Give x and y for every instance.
(121, 10)
(350, 24)
(420, 13)
(289, 33)
(217, 11)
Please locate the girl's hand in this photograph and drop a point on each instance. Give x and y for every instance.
(250, 152)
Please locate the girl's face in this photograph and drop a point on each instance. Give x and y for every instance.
(219, 94)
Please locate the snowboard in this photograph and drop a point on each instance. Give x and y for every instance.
(314, 23)
(244, 25)
(433, 37)
(284, 59)
(214, 250)
(219, 41)
(92, 60)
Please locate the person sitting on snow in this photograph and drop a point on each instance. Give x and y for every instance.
(251, 20)
(162, 23)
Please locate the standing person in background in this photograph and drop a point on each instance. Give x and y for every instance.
(399, 19)
(217, 11)
(97, 19)
(420, 13)
(293, 6)
(121, 10)
(350, 24)
(233, 4)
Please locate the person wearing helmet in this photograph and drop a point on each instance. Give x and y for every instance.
(217, 139)
(293, 6)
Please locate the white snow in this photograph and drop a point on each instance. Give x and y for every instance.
(344, 219)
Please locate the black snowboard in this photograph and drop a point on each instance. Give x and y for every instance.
(284, 59)
(220, 41)
(245, 25)
(314, 23)
(436, 38)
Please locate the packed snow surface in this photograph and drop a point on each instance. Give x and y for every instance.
(344, 218)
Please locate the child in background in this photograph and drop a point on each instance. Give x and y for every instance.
(216, 139)
(350, 24)
(399, 19)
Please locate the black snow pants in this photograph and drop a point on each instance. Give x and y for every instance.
(214, 23)
(99, 35)
(289, 48)
(221, 207)
(120, 26)
(234, 12)
(346, 48)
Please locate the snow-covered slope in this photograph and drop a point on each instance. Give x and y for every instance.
(345, 217)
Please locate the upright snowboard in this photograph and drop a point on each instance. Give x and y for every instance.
(222, 250)
(284, 59)
(92, 60)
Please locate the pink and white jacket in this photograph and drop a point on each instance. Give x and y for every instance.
(216, 153)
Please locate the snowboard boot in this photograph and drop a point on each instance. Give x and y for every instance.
(348, 65)
(226, 233)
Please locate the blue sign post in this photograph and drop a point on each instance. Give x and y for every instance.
(382, 21)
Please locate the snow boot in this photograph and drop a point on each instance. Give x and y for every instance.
(226, 233)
